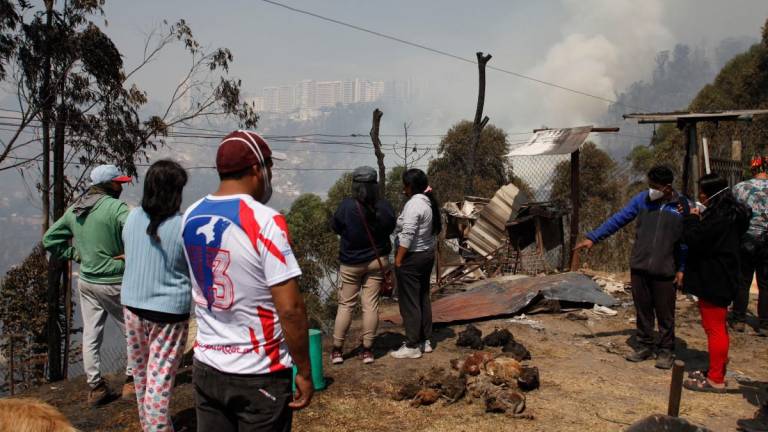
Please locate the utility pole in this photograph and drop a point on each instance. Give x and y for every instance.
(377, 114)
(478, 125)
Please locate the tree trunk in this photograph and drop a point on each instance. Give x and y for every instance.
(58, 278)
(478, 125)
(377, 114)
(45, 90)
(55, 266)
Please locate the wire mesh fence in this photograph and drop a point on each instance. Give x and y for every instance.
(548, 178)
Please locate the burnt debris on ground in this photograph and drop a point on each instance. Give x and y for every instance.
(496, 378)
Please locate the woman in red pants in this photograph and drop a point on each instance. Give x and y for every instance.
(713, 233)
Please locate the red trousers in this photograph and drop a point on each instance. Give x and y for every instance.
(713, 319)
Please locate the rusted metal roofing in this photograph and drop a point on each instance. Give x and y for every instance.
(503, 296)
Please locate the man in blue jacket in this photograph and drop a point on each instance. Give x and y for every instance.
(657, 262)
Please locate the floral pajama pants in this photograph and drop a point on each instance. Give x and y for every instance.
(154, 353)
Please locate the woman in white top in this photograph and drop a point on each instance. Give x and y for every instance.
(417, 227)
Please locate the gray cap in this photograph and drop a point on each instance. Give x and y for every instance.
(364, 174)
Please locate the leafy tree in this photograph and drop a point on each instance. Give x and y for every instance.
(340, 190)
(316, 249)
(596, 179)
(70, 78)
(601, 195)
(741, 84)
(394, 188)
(448, 171)
(9, 19)
(22, 297)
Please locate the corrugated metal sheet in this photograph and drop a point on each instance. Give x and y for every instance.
(489, 231)
(505, 296)
(553, 142)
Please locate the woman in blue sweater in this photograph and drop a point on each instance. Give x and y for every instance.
(156, 292)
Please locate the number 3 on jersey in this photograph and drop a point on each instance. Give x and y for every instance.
(222, 289)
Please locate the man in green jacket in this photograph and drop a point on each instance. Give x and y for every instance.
(95, 221)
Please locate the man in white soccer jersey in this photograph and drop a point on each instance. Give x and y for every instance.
(252, 323)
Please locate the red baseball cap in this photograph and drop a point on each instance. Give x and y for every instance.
(242, 149)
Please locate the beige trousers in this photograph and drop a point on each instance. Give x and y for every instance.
(364, 281)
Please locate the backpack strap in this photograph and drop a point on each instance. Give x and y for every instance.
(370, 236)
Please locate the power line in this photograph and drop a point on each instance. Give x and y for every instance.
(191, 167)
(445, 53)
(218, 133)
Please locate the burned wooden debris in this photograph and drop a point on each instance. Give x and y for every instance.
(498, 338)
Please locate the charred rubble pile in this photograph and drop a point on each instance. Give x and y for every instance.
(499, 380)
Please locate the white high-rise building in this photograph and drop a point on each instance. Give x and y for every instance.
(368, 91)
(257, 102)
(271, 99)
(286, 99)
(328, 93)
(305, 98)
(349, 94)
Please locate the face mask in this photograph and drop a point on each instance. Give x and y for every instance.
(267, 186)
(265, 197)
(655, 194)
(703, 207)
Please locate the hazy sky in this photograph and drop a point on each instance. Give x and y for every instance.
(597, 46)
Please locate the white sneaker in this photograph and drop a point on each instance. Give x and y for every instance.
(426, 347)
(406, 353)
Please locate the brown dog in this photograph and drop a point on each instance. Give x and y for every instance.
(31, 415)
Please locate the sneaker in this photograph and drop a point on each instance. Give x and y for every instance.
(99, 395)
(406, 353)
(426, 347)
(665, 359)
(762, 328)
(337, 357)
(638, 356)
(738, 326)
(366, 355)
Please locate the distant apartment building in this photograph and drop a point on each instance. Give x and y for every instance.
(257, 102)
(286, 99)
(348, 92)
(271, 97)
(306, 97)
(328, 93)
(306, 94)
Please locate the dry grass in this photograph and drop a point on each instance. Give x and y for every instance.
(585, 384)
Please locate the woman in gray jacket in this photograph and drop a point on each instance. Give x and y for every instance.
(417, 227)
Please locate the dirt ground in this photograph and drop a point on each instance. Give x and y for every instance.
(585, 383)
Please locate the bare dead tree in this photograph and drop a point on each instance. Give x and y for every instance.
(479, 123)
(410, 154)
(377, 114)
